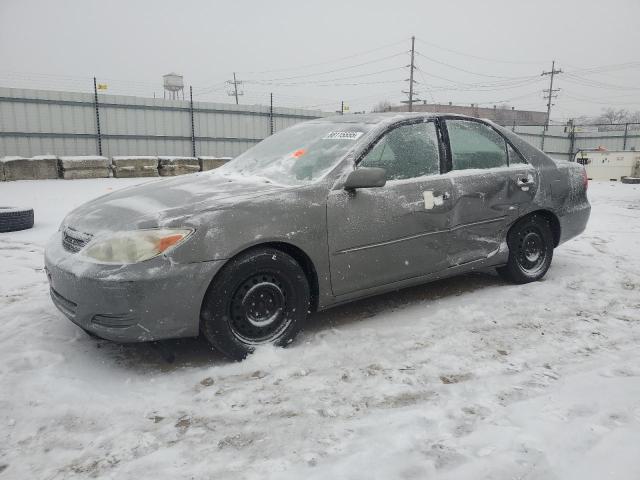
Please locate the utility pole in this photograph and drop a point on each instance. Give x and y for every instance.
(550, 95)
(411, 81)
(235, 92)
(413, 50)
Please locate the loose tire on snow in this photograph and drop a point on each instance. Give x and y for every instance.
(13, 219)
(530, 242)
(261, 297)
(632, 180)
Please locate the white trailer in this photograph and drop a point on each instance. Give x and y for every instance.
(609, 165)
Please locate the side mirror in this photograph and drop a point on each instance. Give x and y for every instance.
(366, 177)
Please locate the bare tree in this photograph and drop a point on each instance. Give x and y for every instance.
(612, 119)
(612, 116)
(383, 106)
(634, 119)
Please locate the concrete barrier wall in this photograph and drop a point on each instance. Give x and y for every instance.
(171, 166)
(132, 166)
(88, 166)
(36, 168)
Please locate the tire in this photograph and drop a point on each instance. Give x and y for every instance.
(91, 334)
(631, 180)
(261, 297)
(530, 242)
(13, 219)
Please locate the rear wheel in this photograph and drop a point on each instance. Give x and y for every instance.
(260, 297)
(530, 243)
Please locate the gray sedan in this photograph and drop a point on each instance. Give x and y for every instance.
(323, 213)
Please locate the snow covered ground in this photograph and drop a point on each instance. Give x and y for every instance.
(468, 378)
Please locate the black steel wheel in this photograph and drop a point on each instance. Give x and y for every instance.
(260, 297)
(530, 243)
(257, 311)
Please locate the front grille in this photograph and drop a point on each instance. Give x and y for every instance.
(74, 241)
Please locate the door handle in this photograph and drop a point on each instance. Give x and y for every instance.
(525, 182)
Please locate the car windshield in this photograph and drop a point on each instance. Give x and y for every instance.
(301, 154)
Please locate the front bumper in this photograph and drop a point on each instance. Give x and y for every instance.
(151, 300)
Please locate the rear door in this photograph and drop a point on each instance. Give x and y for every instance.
(492, 183)
(378, 236)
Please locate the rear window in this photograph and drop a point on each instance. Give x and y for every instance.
(475, 145)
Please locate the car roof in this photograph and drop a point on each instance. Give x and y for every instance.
(386, 117)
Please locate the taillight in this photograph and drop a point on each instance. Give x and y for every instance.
(585, 178)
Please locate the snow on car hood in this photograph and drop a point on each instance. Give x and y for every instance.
(165, 202)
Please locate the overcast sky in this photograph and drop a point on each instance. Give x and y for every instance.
(315, 54)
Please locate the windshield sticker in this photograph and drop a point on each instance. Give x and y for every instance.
(298, 153)
(342, 136)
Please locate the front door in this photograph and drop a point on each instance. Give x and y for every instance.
(492, 185)
(378, 236)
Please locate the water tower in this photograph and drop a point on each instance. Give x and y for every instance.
(173, 85)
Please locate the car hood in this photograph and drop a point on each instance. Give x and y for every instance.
(166, 202)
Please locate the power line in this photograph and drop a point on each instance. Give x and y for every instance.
(331, 71)
(301, 67)
(476, 56)
(597, 102)
(462, 69)
(605, 68)
(313, 82)
(424, 82)
(596, 84)
(491, 86)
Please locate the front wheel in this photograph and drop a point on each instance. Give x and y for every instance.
(530, 243)
(260, 297)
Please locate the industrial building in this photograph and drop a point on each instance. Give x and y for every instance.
(501, 115)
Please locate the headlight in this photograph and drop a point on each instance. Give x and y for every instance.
(133, 246)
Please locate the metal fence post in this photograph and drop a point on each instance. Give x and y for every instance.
(572, 139)
(95, 101)
(624, 142)
(271, 115)
(193, 126)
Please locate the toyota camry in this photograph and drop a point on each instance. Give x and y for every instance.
(324, 212)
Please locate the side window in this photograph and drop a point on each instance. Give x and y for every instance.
(514, 157)
(408, 151)
(475, 145)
